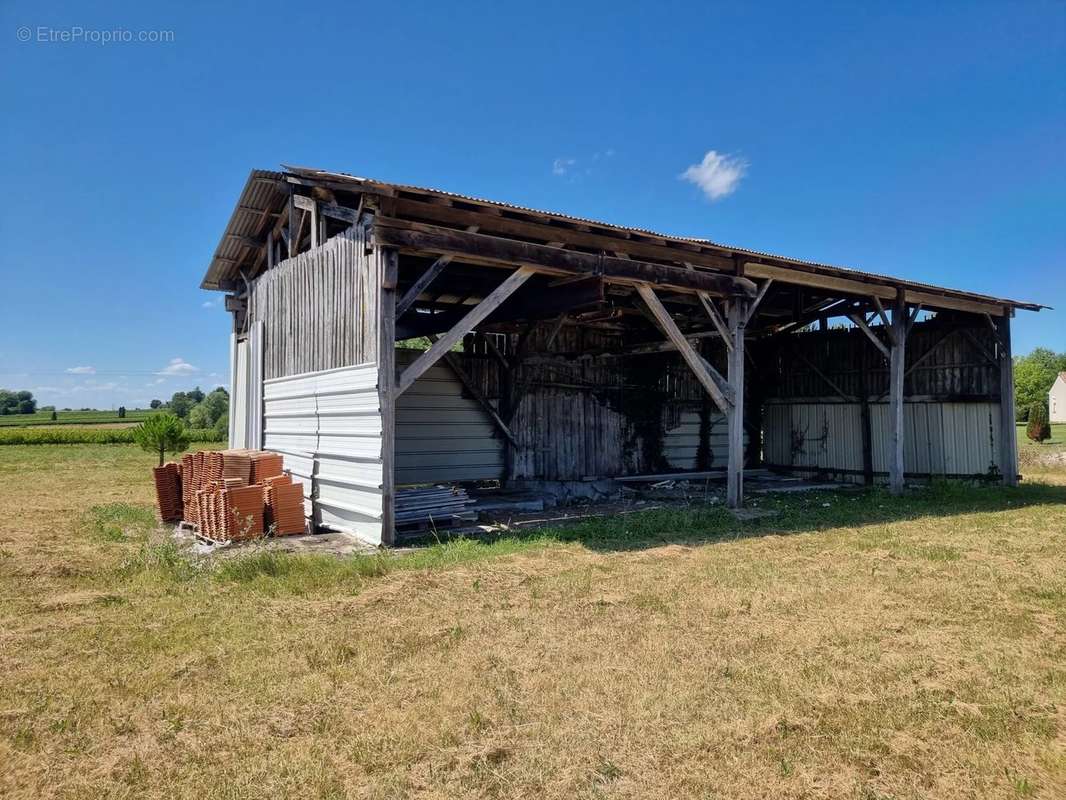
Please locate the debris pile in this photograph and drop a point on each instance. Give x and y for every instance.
(230, 495)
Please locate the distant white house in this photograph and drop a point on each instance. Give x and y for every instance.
(1056, 399)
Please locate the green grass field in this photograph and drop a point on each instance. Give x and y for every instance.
(843, 646)
(73, 418)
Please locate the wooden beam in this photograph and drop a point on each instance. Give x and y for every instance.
(343, 213)
(572, 234)
(387, 394)
(882, 313)
(896, 381)
(819, 280)
(860, 323)
(554, 331)
(479, 247)
(420, 285)
(738, 320)
(1008, 440)
(758, 299)
(930, 300)
(463, 327)
(490, 343)
(474, 392)
(700, 368)
(293, 232)
(716, 318)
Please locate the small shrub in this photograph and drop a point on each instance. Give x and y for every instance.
(162, 433)
(1039, 428)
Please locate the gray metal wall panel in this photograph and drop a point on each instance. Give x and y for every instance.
(939, 438)
(442, 435)
(681, 443)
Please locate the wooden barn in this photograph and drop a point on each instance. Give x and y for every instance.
(389, 336)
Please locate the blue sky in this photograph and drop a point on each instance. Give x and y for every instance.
(924, 140)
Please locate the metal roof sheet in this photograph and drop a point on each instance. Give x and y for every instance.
(252, 198)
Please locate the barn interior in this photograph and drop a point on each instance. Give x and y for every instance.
(548, 352)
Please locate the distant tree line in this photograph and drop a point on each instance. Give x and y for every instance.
(1033, 376)
(17, 402)
(199, 410)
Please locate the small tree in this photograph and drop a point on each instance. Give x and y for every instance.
(54, 415)
(161, 433)
(1039, 429)
(155, 404)
(121, 412)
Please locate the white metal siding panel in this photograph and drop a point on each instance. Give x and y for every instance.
(328, 425)
(254, 421)
(238, 423)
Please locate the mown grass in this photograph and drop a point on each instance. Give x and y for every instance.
(851, 645)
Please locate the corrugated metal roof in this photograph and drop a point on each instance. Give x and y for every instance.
(250, 198)
(263, 193)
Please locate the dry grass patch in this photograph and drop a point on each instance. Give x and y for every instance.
(872, 649)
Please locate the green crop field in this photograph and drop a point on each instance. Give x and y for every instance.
(72, 418)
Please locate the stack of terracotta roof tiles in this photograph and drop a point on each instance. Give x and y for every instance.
(285, 506)
(223, 493)
(168, 491)
(264, 464)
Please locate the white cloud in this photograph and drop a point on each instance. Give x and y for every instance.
(207, 304)
(178, 366)
(718, 175)
(561, 166)
(81, 370)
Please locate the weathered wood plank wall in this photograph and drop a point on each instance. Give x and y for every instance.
(579, 412)
(950, 360)
(320, 308)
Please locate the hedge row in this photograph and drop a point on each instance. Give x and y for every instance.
(90, 436)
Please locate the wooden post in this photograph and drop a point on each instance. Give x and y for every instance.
(387, 391)
(738, 320)
(897, 357)
(867, 433)
(1008, 436)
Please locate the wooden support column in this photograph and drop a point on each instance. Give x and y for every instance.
(1008, 438)
(738, 321)
(897, 357)
(386, 391)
